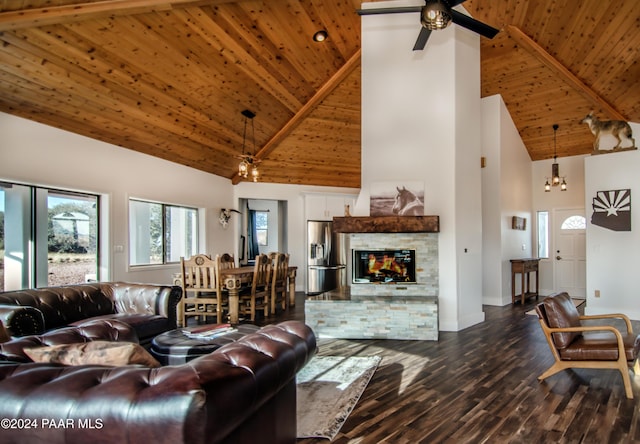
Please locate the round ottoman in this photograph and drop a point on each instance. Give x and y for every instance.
(175, 348)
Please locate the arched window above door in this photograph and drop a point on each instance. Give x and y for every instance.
(574, 223)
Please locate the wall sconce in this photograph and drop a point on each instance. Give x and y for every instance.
(225, 216)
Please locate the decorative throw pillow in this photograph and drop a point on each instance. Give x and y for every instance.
(95, 352)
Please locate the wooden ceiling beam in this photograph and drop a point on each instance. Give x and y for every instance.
(25, 18)
(548, 60)
(308, 107)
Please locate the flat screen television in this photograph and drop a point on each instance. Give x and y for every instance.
(384, 266)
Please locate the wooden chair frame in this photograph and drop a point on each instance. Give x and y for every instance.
(279, 277)
(260, 289)
(621, 364)
(200, 289)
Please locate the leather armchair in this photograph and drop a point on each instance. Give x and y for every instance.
(577, 345)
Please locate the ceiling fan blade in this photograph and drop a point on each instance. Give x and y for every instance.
(389, 10)
(474, 25)
(422, 39)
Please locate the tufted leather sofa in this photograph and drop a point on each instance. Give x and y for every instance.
(149, 309)
(97, 329)
(244, 392)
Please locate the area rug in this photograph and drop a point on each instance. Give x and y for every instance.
(329, 387)
(577, 302)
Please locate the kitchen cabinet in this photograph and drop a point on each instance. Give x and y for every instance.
(327, 206)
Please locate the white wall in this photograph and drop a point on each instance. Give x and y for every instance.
(491, 201)
(420, 122)
(613, 256)
(506, 192)
(573, 168)
(468, 179)
(36, 154)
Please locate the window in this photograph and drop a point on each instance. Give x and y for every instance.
(543, 234)
(262, 227)
(72, 238)
(47, 237)
(574, 223)
(161, 234)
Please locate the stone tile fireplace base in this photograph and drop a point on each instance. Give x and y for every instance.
(337, 314)
(383, 311)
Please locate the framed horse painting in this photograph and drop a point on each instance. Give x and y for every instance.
(397, 199)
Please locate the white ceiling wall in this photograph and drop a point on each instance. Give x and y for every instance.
(420, 123)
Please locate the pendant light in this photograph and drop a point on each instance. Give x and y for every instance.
(248, 161)
(555, 168)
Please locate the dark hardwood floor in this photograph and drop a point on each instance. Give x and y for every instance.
(480, 385)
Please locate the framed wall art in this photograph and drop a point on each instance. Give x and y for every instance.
(519, 223)
(397, 199)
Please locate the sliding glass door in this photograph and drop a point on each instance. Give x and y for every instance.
(47, 237)
(72, 238)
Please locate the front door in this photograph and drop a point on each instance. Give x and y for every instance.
(569, 252)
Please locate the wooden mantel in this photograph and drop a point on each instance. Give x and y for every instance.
(387, 224)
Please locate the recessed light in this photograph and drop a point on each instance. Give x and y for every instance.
(320, 36)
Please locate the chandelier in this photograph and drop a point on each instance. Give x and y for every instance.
(248, 162)
(555, 168)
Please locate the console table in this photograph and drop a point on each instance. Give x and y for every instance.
(524, 267)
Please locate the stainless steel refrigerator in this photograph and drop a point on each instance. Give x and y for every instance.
(326, 261)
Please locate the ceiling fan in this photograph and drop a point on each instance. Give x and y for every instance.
(434, 15)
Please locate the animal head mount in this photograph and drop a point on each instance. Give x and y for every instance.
(225, 216)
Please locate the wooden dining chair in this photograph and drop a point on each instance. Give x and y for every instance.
(280, 269)
(256, 297)
(225, 261)
(201, 295)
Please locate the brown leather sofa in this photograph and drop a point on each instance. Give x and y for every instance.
(92, 330)
(149, 309)
(244, 392)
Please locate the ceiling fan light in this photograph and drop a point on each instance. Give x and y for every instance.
(255, 173)
(547, 186)
(435, 15)
(563, 185)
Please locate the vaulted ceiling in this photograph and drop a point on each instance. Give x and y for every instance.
(170, 78)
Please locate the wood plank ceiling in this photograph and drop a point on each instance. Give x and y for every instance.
(170, 78)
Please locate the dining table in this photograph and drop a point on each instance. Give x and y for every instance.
(234, 279)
